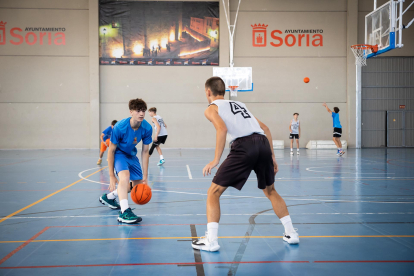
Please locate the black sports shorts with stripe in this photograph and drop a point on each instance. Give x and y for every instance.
(247, 154)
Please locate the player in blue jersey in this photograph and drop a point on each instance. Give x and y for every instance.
(105, 140)
(122, 156)
(337, 132)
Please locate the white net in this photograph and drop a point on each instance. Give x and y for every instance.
(360, 54)
(233, 91)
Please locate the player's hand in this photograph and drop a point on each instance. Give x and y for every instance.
(112, 183)
(324, 104)
(107, 145)
(276, 168)
(155, 140)
(207, 169)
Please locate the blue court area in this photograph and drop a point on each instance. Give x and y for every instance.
(355, 216)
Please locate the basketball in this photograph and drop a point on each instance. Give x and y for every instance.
(306, 80)
(141, 194)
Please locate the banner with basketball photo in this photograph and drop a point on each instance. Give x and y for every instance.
(154, 33)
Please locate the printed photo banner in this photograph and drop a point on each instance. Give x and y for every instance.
(153, 33)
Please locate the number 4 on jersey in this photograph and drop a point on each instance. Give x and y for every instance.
(235, 108)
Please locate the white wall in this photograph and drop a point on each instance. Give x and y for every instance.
(57, 96)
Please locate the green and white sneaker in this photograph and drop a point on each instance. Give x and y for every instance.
(128, 217)
(110, 202)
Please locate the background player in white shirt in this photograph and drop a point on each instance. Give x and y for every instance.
(160, 133)
(250, 150)
(294, 129)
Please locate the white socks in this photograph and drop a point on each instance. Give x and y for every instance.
(287, 223)
(112, 195)
(124, 205)
(291, 149)
(161, 157)
(212, 230)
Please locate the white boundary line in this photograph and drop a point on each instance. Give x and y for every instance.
(183, 215)
(189, 172)
(260, 197)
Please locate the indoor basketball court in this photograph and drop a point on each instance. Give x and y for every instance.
(91, 185)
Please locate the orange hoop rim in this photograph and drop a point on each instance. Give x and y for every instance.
(373, 48)
(233, 87)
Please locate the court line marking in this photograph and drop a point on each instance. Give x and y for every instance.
(8, 256)
(184, 215)
(46, 197)
(293, 199)
(223, 237)
(333, 172)
(143, 264)
(189, 172)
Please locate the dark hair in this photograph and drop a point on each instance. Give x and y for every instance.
(336, 109)
(137, 105)
(114, 122)
(216, 85)
(153, 109)
(295, 114)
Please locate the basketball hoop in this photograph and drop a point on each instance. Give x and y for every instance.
(361, 51)
(233, 90)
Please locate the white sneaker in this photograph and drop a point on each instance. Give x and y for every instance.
(292, 238)
(204, 244)
(297, 153)
(291, 152)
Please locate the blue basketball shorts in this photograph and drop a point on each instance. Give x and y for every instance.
(128, 163)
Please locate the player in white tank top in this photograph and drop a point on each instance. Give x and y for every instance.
(238, 126)
(294, 128)
(251, 150)
(160, 133)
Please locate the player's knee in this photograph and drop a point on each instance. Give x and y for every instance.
(269, 191)
(214, 191)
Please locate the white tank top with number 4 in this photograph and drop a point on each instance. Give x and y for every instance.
(163, 130)
(239, 121)
(294, 126)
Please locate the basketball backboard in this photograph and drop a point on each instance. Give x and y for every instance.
(380, 28)
(239, 77)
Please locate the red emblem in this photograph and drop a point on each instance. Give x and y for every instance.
(259, 35)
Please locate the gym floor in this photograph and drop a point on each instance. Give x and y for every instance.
(354, 215)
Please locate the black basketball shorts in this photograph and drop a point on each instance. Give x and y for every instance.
(160, 140)
(294, 136)
(247, 154)
(337, 132)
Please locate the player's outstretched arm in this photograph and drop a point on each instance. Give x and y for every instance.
(145, 161)
(269, 137)
(212, 115)
(327, 108)
(111, 159)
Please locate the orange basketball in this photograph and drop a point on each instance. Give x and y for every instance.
(306, 80)
(141, 194)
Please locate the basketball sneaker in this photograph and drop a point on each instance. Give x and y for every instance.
(291, 152)
(291, 238)
(341, 153)
(99, 161)
(110, 202)
(203, 243)
(297, 152)
(162, 161)
(128, 217)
